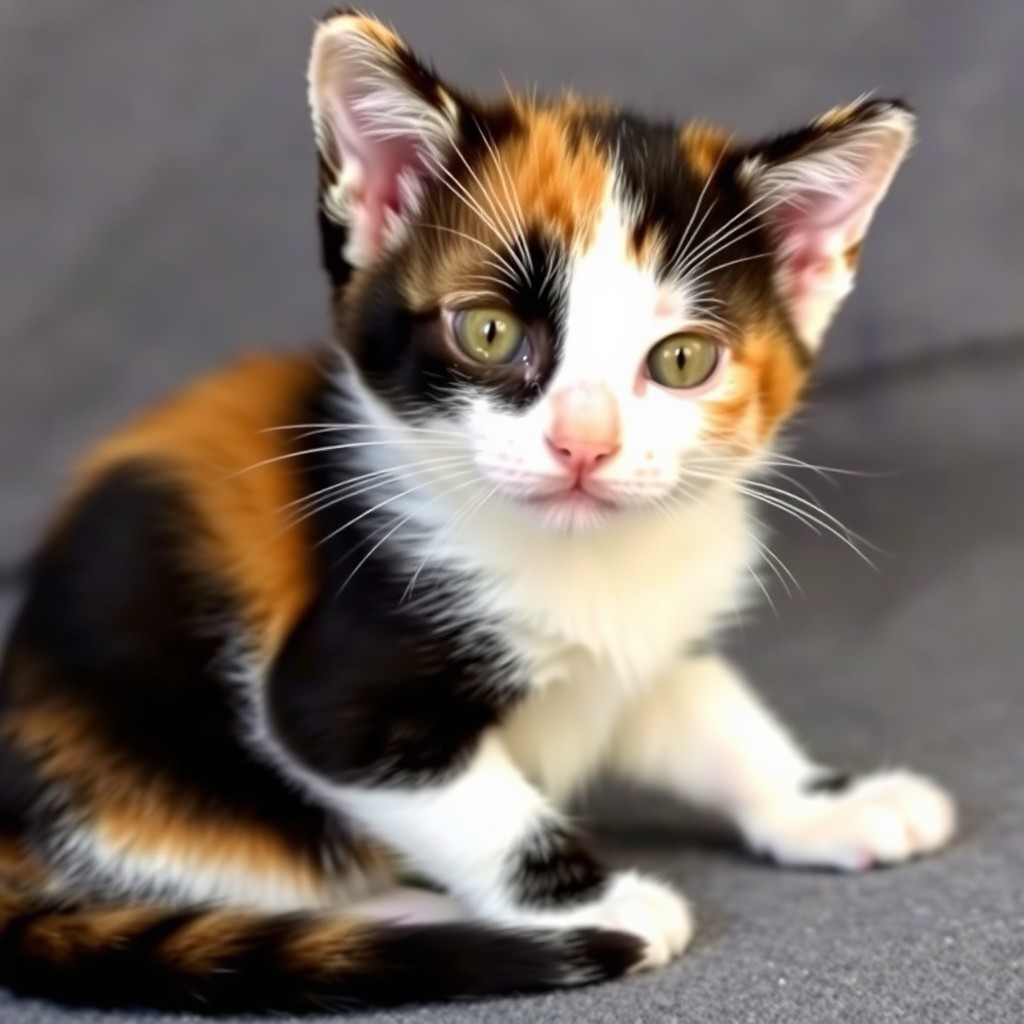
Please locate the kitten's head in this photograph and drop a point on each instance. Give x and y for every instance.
(594, 308)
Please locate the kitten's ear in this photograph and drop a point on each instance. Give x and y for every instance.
(819, 188)
(383, 123)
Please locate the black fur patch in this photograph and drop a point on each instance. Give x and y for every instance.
(23, 806)
(370, 688)
(406, 358)
(554, 868)
(705, 220)
(829, 782)
(366, 694)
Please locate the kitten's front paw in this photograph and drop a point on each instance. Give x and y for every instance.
(644, 907)
(880, 819)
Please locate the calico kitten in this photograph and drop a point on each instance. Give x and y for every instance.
(298, 634)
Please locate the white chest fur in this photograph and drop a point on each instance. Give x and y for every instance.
(594, 618)
(598, 620)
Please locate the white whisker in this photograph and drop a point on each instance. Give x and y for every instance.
(812, 521)
(503, 264)
(730, 232)
(515, 209)
(326, 427)
(461, 192)
(731, 263)
(685, 240)
(387, 501)
(398, 526)
(351, 486)
(777, 565)
(337, 448)
(512, 237)
(474, 505)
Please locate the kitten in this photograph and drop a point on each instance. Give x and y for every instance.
(299, 636)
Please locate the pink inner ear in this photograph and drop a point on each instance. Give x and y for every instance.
(819, 205)
(385, 168)
(815, 229)
(384, 161)
(814, 232)
(819, 221)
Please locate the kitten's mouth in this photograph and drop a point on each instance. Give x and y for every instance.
(575, 504)
(565, 502)
(575, 495)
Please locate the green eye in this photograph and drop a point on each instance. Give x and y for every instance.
(683, 361)
(489, 334)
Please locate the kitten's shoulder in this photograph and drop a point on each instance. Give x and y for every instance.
(216, 459)
(226, 419)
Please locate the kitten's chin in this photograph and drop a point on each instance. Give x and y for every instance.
(570, 511)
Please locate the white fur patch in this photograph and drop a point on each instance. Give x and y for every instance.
(460, 832)
(885, 818)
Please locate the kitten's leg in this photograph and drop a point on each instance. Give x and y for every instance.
(380, 720)
(493, 841)
(704, 735)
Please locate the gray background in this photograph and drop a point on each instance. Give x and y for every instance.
(156, 213)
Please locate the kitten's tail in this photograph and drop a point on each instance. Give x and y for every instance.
(218, 961)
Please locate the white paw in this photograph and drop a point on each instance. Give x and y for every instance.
(881, 819)
(644, 907)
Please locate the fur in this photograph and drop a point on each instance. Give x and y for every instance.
(322, 625)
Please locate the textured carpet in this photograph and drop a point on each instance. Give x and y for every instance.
(154, 214)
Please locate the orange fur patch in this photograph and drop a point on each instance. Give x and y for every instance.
(704, 145)
(201, 945)
(371, 28)
(837, 117)
(213, 438)
(329, 949)
(132, 816)
(539, 179)
(765, 378)
(557, 187)
(65, 938)
(851, 257)
(150, 827)
(780, 379)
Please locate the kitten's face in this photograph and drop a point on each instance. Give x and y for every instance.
(602, 312)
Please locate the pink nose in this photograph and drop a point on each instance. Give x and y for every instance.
(581, 456)
(585, 428)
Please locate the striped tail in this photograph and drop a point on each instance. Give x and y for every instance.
(220, 961)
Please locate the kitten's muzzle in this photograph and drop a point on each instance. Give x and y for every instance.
(585, 430)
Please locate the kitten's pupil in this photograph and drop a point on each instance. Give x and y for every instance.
(489, 336)
(680, 356)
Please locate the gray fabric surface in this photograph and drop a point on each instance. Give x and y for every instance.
(155, 183)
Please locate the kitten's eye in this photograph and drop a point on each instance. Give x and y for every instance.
(490, 335)
(683, 361)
